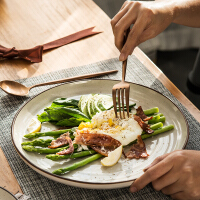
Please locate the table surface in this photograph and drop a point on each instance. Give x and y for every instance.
(22, 27)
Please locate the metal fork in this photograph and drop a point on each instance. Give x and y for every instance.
(119, 89)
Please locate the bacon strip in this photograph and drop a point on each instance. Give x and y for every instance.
(140, 113)
(103, 150)
(96, 139)
(69, 150)
(101, 143)
(62, 140)
(143, 125)
(138, 150)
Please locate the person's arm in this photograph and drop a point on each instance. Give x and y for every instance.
(187, 12)
(149, 18)
(176, 174)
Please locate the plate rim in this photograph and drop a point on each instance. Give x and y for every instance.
(71, 180)
(8, 192)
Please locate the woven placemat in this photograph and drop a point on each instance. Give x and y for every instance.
(38, 187)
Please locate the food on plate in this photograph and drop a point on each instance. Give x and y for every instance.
(64, 139)
(74, 155)
(71, 112)
(93, 103)
(34, 126)
(77, 164)
(101, 143)
(48, 133)
(137, 150)
(88, 127)
(113, 157)
(123, 130)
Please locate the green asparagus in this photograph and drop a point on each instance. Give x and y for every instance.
(45, 150)
(156, 119)
(151, 111)
(156, 126)
(77, 165)
(38, 142)
(49, 133)
(74, 155)
(156, 132)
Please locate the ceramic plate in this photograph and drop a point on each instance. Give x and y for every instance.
(6, 195)
(94, 175)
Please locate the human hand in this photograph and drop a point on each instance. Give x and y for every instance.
(148, 19)
(176, 174)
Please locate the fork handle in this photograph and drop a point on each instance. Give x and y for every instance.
(124, 63)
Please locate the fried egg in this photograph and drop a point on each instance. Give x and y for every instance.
(124, 130)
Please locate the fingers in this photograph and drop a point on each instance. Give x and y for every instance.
(185, 195)
(123, 20)
(168, 184)
(120, 25)
(179, 195)
(124, 4)
(120, 28)
(173, 188)
(157, 160)
(133, 39)
(118, 16)
(141, 18)
(128, 15)
(151, 174)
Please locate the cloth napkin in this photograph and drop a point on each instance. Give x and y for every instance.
(21, 196)
(35, 54)
(40, 188)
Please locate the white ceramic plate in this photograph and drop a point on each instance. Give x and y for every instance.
(94, 175)
(6, 195)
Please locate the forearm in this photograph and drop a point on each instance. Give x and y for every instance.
(186, 12)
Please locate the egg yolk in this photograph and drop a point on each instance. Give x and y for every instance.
(84, 125)
(110, 122)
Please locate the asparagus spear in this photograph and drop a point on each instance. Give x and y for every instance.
(156, 132)
(78, 164)
(45, 150)
(156, 119)
(74, 155)
(156, 126)
(153, 119)
(49, 133)
(38, 142)
(151, 111)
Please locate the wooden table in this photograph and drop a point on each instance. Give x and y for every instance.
(25, 24)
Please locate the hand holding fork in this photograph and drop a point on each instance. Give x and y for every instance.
(119, 89)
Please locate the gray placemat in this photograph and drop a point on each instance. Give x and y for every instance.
(38, 187)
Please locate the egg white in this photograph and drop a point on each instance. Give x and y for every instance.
(124, 130)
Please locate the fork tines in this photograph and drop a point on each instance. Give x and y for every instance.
(118, 98)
